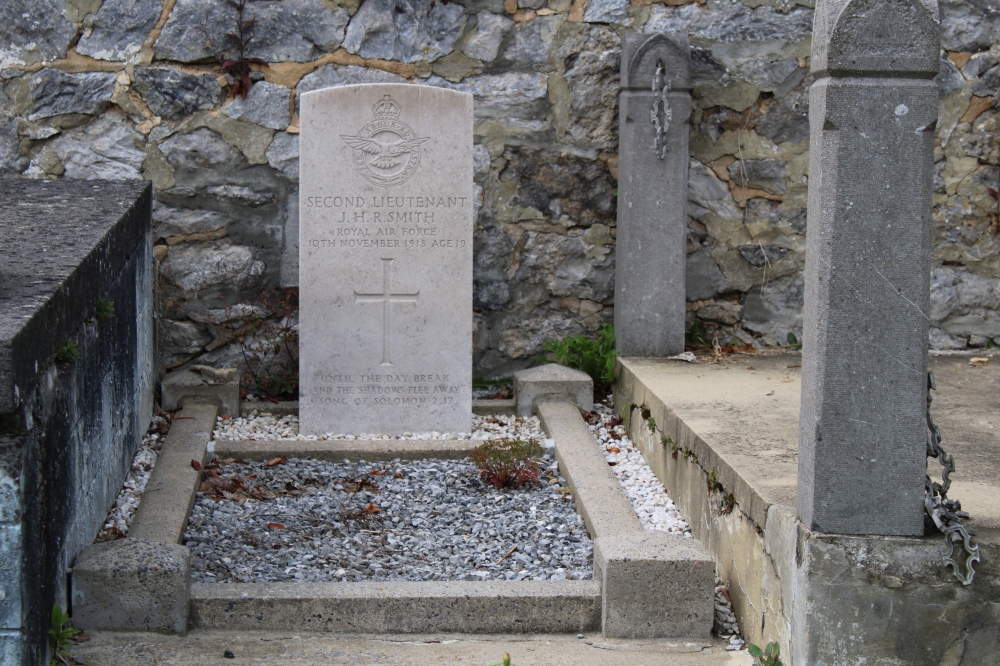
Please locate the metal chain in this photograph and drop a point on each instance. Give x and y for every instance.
(947, 513)
(661, 107)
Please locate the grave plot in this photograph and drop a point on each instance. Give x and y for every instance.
(307, 520)
(419, 520)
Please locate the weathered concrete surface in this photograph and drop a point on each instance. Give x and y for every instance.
(132, 585)
(873, 112)
(653, 168)
(725, 419)
(654, 585)
(68, 430)
(552, 383)
(599, 497)
(400, 607)
(358, 449)
(299, 648)
(169, 495)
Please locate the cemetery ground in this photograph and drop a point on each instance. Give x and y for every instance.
(739, 434)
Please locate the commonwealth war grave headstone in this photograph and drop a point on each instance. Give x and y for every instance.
(385, 274)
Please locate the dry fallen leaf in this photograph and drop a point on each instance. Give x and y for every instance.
(195, 464)
(276, 461)
(614, 449)
(275, 526)
(612, 463)
(371, 508)
(375, 472)
(978, 361)
(397, 475)
(750, 367)
(786, 379)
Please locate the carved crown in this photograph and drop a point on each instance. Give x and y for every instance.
(387, 107)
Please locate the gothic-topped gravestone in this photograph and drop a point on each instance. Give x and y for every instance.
(652, 195)
(385, 272)
(872, 113)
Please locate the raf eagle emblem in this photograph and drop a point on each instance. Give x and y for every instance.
(386, 151)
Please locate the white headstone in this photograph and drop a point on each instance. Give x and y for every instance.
(385, 260)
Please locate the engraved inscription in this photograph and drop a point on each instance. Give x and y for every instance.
(387, 298)
(383, 390)
(386, 151)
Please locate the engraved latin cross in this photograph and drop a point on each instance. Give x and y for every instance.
(387, 298)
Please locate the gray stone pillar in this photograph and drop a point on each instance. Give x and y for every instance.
(652, 195)
(872, 112)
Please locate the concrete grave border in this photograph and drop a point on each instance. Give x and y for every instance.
(414, 607)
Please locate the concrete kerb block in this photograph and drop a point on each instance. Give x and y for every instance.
(654, 585)
(132, 585)
(552, 383)
(202, 384)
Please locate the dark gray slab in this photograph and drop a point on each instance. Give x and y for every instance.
(867, 280)
(59, 242)
(652, 196)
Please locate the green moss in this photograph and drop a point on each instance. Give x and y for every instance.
(67, 353)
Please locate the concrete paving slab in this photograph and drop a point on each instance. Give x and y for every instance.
(599, 497)
(741, 418)
(169, 495)
(398, 606)
(297, 648)
(355, 449)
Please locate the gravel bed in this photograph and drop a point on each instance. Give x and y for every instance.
(119, 519)
(649, 498)
(307, 520)
(265, 427)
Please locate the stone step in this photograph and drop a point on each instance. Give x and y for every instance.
(489, 607)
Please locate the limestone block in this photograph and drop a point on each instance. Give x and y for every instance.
(118, 30)
(173, 94)
(54, 93)
(34, 31)
(654, 585)
(266, 104)
(131, 585)
(552, 383)
(287, 31)
(490, 31)
(219, 387)
(404, 30)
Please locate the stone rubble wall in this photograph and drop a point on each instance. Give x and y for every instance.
(133, 88)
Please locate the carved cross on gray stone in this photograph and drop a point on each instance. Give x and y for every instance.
(387, 298)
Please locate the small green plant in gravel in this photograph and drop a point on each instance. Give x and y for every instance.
(595, 357)
(505, 662)
(67, 353)
(59, 635)
(766, 657)
(508, 463)
(104, 309)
